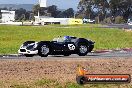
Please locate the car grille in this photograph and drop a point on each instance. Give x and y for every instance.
(22, 50)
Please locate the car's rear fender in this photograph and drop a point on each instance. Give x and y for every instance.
(89, 43)
(82, 40)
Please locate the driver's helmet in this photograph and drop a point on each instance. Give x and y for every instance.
(67, 38)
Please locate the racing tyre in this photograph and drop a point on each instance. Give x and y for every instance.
(29, 55)
(44, 50)
(83, 50)
(80, 80)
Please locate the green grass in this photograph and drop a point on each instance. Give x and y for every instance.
(47, 83)
(11, 37)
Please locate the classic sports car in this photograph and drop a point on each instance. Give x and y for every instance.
(66, 46)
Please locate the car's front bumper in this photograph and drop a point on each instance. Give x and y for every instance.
(91, 47)
(25, 51)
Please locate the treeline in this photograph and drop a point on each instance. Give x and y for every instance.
(53, 11)
(107, 11)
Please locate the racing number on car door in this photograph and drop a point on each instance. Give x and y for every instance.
(71, 46)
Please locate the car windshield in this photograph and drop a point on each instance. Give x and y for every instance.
(59, 39)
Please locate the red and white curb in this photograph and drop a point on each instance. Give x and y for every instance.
(101, 51)
(113, 50)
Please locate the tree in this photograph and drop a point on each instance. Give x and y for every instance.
(85, 7)
(20, 14)
(121, 8)
(28, 15)
(69, 13)
(36, 8)
(102, 7)
(53, 10)
(42, 10)
(46, 11)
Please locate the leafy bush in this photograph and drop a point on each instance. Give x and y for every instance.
(107, 20)
(119, 20)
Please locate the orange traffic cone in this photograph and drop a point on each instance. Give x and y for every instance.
(81, 71)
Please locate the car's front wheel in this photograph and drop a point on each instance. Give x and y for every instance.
(83, 50)
(44, 50)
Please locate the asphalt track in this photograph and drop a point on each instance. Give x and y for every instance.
(95, 55)
(120, 26)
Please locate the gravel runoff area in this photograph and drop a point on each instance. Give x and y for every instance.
(64, 70)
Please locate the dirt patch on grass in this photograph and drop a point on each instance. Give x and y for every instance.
(61, 70)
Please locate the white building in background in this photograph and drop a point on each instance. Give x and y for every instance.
(45, 20)
(7, 16)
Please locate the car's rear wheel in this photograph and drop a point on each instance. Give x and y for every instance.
(44, 50)
(29, 55)
(83, 50)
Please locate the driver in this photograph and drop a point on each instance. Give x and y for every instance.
(67, 39)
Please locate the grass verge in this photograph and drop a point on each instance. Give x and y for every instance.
(46, 83)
